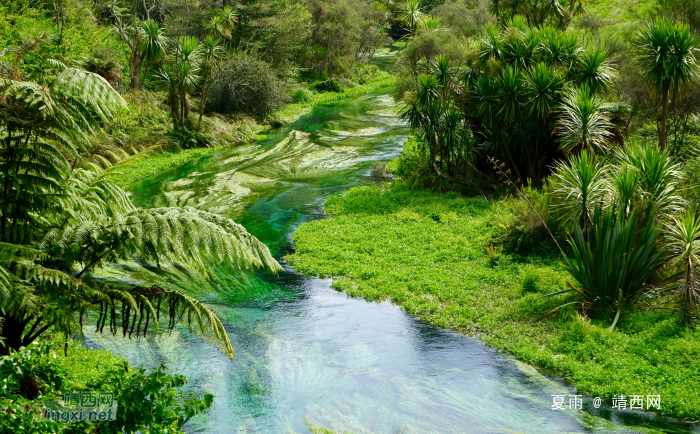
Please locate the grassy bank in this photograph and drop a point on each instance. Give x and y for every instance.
(431, 253)
(292, 111)
(160, 160)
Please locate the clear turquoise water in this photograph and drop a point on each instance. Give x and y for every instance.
(305, 351)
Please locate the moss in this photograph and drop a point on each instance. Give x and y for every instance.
(384, 243)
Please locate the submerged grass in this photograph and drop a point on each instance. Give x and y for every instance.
(432, 254)
(159, 160)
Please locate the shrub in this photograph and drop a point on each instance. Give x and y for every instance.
(530, 281)
(613, 261)
(301, 95)
(332, 85)
(380, 170)
(413, 166)
(525, 231)
(361, 73)
(246, 84)
(149, 402)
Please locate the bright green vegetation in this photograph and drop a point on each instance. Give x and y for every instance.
(73, 369)
(291, 111)
(154, 163)
(434, 255)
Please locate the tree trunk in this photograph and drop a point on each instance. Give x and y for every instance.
(174, 109)
(135, 74)
(664, 114)
(143, 76)
(201, 104)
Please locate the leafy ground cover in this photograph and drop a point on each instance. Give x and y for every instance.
(433, 254)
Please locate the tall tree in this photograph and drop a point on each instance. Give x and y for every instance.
(211, 56)
(135, 37)
(412, 15)
(153, 47)
(666, 53)
(181, 75)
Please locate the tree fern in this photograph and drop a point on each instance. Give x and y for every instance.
(61, 220)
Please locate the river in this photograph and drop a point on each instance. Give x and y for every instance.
(307, 352)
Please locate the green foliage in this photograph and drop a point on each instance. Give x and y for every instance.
(526, 233)
(538, 12)
(584, 124)
(149, 402)
(638, 176)
(413, 166)
(464, 18)
(441, 272)
(246, 84)
(614, 261)
(301, 96)
(289, 34)
(666, 54)
(189, 138)
(530, 281)
(382, 80)
(30, 373)
(61, 221)
(344, 31)
(522, 96)
(412, 14)
(684, 247)
(182, 74)
(578, 185)
(331, 85)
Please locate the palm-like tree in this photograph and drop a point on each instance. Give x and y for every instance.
(659, 177)
(412, 15)
(154, 45)
(684, 247)
(431, 23)
(578, 187)
(181, 76)
(583, 122)
(545, 86)
(666, 53)
(223, 23)
(61, 221)
(212, 50)
(594, 71)
(216, 27)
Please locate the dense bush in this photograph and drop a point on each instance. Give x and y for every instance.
(148, 401)
(465, 18)
(345, 32)
(413, 166)
(246, 84)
